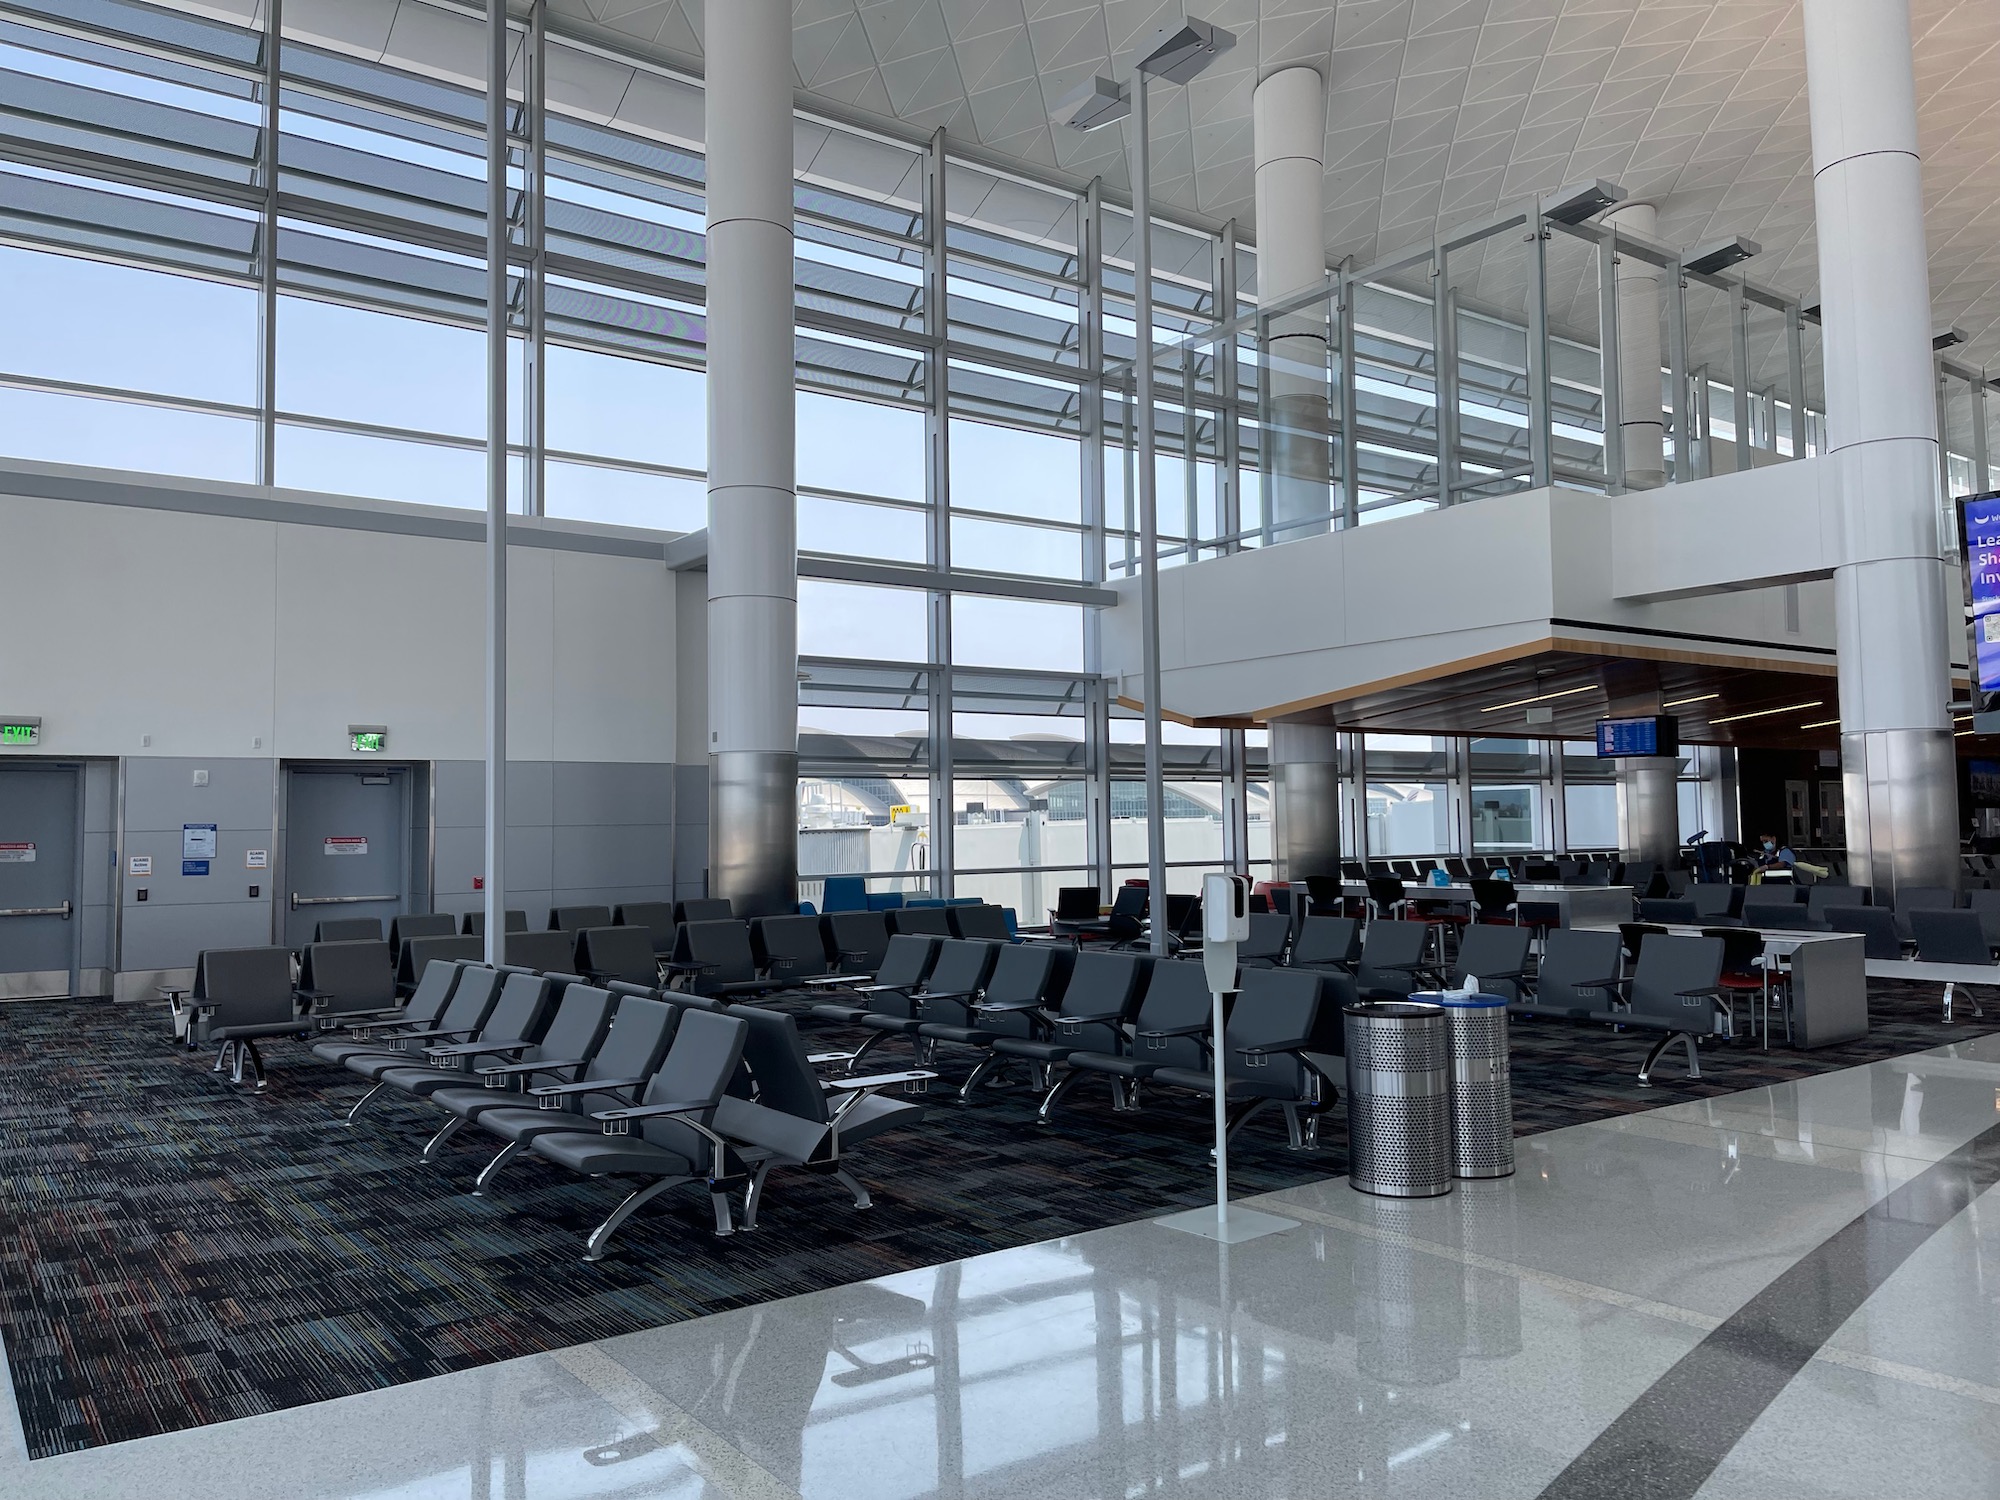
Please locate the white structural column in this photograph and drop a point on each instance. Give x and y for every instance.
(1640, 417)
(1881, 419)
(1288, 114)
(752, 519)
(496, 482)
(1305, 800)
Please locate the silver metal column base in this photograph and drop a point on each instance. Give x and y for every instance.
(753, 835)
(1901, 790)
(1241, 1224)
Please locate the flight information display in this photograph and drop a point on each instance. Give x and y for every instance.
(1658, 734)
(1979, 523)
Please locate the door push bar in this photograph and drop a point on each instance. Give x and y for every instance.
(36, 911)
(298, 900)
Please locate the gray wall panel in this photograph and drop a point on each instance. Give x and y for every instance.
(168, 937)
(461, 794)
(530, 793)
(160, 792)
(612, 793)
(611, 856)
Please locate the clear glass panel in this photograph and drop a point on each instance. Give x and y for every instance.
(852, 619)
(1030, 893)
(383, 468)
(93, 323)
(360, 366)
(1576, 364)
(854, 528)
(860, 826)
(989, 632)
(1489, 285)
(1409, 817)
(623, 497)
(1194, 822)
(994, 547)
(612, 407)
(1015, 472)
(862, 447)
(44, 427)
(1506, 819)
(1590, 811)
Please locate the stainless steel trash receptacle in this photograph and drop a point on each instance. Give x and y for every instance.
(1482, 1090)
(1399, 1099)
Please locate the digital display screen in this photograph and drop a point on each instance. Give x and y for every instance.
(1655, 735)
(1985, 778)
(1979, 527)
(369, 741)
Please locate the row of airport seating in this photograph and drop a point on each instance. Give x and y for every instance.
(618, 1080)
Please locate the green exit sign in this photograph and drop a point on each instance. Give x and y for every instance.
(368, 741)
(20, 731)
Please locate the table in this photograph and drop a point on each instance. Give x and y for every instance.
(1577, 905)
(1948, 975)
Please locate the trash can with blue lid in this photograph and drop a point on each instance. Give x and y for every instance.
(1482, 1090)
(1399, 1099)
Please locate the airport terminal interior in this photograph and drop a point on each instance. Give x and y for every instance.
(885, 749)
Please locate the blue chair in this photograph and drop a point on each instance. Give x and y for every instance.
(922, 901)
(885, 901)
(845, 893)
(807, 909)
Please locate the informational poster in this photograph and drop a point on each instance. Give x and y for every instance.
(256, 859)
(139, 864)
(198, 841)
(194, 867)
(1979, 516)
(17, 854)
(346, 844)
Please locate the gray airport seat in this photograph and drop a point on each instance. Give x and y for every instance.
(611, 1077)
(520, 1013)
(419, 953)
(1327, 943)
(704, 909)
(856, 939)
(1881, 937)
(425, 1005)
(1578, 975)
(240, 995)
(472, 1001)
(906, 961)
(1987, 904)
(1921, 898)
(1167, 1032)
(1770, 893)
(717, 960)
(789, 948)
(920, 921)
(626, 953)
(576, 918)
(1280, 1047)
(657, 917)
(1666, 910)
(1100, 993)
(1825, 894)
(667, 1135)
(1392, 960)
(1796, 917)
(582, 1016)
(348, 930)
(1017, 987)
(420, 924)
(1265, 948)
(1714, 902)
(1950, 937)
(1496, 956)
(474, 924)
(347, 979)
(542, 951)
(956, 978)
(983, 923)
(1676, 991)
(796, 1119)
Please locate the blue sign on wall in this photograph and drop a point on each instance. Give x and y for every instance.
(194, 867)
(1980, 516)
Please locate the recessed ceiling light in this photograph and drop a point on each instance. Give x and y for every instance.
(1765, 713)
(1541, 698)
(1682, 702)
(1820, 724)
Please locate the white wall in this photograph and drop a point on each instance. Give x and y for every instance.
(213, 633)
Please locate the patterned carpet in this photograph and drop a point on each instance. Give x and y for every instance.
(174, 1253)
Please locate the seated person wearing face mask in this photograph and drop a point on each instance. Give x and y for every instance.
(1773, 859)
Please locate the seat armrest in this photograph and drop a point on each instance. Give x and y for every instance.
(1200, 1030)
(474, 1049)
(551, 1095)
(875, 1081)
(930, 995)
(883, 989)
(619, 1121)
(834, 981)
(1002, 1006)
(524, 1068)
(680, 966)
(1269, 1049)
(821, 1059)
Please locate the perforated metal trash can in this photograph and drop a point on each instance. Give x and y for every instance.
(1482, 1090)
(1399, 1099)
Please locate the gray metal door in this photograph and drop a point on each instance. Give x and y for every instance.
(347, 841)
(38, 857)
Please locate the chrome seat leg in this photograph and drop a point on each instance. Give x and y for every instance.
(853, 1184)
(451, 1128)
(492, 1169)
(601, 1236)
(753, 1197)
(362, 1103)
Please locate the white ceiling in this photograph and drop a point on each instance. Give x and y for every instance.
(1441, 111)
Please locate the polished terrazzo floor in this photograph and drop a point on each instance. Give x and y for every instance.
(1470, 1346)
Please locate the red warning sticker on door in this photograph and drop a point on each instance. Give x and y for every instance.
(346, 844)
(17, 854)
